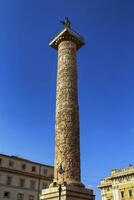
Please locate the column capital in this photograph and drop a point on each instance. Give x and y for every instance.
(67, 34)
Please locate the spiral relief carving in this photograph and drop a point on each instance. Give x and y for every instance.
(67, 149)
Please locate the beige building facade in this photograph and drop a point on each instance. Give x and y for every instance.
(22, 179)
(119, 185)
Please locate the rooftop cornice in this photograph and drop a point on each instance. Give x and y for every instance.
(106, 182)
(117, 173)
(126, 170)
(116, 176)
(24, 160)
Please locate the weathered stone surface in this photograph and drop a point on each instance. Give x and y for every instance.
(68, 193)
(67, 149)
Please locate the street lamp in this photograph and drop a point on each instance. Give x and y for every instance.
(60, 171)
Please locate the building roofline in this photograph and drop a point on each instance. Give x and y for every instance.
(115, 174)
(24, 159)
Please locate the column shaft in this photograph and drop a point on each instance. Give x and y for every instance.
(67, 149)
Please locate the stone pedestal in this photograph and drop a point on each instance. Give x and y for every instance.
(67, 193)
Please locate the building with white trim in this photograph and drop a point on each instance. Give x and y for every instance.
(22, 179)
(119, 185)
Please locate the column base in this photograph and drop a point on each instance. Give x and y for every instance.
(68, 182)
(67, 193)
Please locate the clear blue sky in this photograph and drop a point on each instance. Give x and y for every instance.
(106, 81)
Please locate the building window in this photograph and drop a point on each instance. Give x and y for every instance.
(130, 193)
(122, 194)
(33, 169)
(6, 194)
(8, 180)
(22, 182)
(31, 197)
(32, 184)
(23, 166)
(44, 185)
(0, 161)
(11, 163)
(20, 196)
(45, 171)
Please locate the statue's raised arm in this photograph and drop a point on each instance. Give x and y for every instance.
(66, 22)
